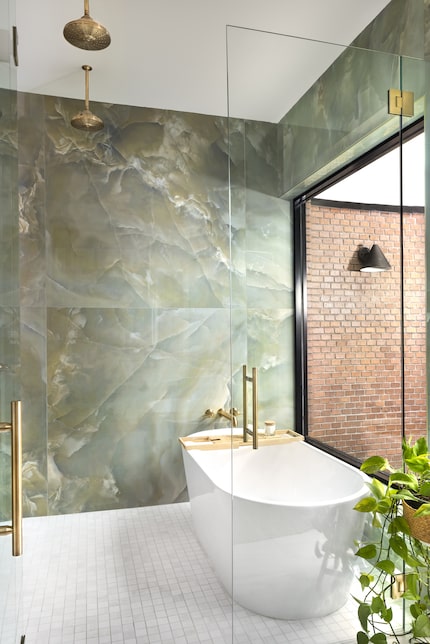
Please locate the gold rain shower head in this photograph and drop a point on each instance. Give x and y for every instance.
(86, 33)
(86, 120)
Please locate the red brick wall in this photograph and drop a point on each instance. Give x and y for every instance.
(354, 330)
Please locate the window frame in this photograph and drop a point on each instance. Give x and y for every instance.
(300, 286)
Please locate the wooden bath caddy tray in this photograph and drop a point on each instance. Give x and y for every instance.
(228, 441)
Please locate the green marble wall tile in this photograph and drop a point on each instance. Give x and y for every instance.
(9, 249)
(271, 347)
(132, 268)
(398, 29)
(123, 386)
(334, 123)
(150, 197)
(33, 393)
(269, 252)
(344, 113)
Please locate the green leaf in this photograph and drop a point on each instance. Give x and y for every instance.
(386, 566)
(367, 552)
(399, 524)
(387, 615)
(384, 506)
(415, 610)
(421, 626)
(364, 613)
(411, 584)
(424, 489)
(409, 480)
(368, 504)
(377, 605)
(362, 638)
(376, 522)
(365, 580)
(420, 446)
(408, 450)
(377, 488)
(375, 464)
(398, 544)
(423, 510)
(404, 494)
(419, 464)
(378, 638)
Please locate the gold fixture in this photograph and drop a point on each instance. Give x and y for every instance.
(246, 431)
(230, 415)
(400, 102)
(398, 587)
(86, 33)
(15, 429)
(86, 120)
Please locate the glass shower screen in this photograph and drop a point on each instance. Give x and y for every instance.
(300, 111)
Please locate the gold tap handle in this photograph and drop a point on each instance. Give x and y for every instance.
(15, 428)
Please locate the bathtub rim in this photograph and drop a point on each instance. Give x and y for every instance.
(361, 491)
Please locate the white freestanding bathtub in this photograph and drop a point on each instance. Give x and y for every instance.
(277, 524)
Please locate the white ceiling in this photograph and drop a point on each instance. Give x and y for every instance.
(171, 54)
(370, 184)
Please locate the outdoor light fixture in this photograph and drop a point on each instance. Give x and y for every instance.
(373, 260)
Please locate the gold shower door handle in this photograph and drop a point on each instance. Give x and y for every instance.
(15, 429)
(246, 430)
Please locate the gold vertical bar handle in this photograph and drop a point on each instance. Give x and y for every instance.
(254, 409)
(15, 429)
(246, 429)
(16, 439)
(245, 404)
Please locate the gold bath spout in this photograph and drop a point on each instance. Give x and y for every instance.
(230, 415)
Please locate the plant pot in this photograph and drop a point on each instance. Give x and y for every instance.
(419, 526)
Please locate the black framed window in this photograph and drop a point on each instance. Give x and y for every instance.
(362, 402)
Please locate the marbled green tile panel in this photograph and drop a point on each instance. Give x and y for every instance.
(32, 236)
(271, 348)
(129, 258)
(340, 117)
(269, 252)
(32, 195)
(149, 197)
(398, 29)
(264, 338)
(123, 385)
(9, 251)
(9, 390)
(345, 114)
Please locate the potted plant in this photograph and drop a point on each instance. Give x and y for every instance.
(397, 557)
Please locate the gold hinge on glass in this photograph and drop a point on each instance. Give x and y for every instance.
(400, 102)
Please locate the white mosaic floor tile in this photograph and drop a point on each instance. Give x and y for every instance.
(139, 576)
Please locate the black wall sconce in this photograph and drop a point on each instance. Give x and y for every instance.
(372, 260)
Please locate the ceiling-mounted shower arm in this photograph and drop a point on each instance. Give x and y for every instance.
(85, 119)
(87, 69)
